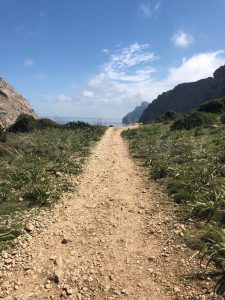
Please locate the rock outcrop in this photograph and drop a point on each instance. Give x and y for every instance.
(12, 105)
(187, 96)
(134, 116)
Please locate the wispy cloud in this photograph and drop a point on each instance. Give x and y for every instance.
(64, 98)
(87, 94)
(130, 64)
(41, 77)
(182, 39)
(29, 62)
(148, 10)
(157, 5)
(105, 50)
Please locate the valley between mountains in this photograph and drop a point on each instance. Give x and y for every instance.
(116, 237)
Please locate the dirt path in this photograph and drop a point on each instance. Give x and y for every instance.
(99, 243)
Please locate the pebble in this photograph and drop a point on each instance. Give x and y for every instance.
(29, 227)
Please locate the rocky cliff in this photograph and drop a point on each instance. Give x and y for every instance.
(134, 116)
(12, 105)
(187, 96)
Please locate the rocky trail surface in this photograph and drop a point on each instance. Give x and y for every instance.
(113, 238)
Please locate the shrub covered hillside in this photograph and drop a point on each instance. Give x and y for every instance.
(36, 159)
(187, 156)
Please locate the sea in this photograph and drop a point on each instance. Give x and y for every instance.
(91, 121)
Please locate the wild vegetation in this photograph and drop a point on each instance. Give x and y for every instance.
(187, 156)
(36, 159)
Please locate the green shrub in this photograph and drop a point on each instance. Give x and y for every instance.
(171, 115)
(214, 106)
(168, 116)
(24, 123)
(193, 119)
(47, 123)
(182, 196)
(77, 125)
(159, 172)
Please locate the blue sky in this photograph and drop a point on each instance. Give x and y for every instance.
(100, 58)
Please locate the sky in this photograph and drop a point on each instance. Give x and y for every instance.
(101, 58)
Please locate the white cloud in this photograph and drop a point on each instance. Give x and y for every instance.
(130, 64)
(29, 62)
(105, 50)
(199, 66)
(146, 9)
(87, 94)
(182, 39)
(41, 77)
(157, 6)
(63, 98)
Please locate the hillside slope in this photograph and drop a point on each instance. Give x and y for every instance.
(187, 96)
(12, 104)
(134, 116)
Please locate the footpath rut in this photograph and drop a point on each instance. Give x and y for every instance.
(96, 243)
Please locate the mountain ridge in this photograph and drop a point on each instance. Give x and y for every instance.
(187, 96)
(134, 116)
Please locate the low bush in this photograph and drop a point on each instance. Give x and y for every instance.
(77, 125)
(193, 119)
(168, 116)
(214, 106)
(24, 123)
(46, 123)
(159, 172)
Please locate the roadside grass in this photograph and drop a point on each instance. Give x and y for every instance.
(35, 168)
(191, 165)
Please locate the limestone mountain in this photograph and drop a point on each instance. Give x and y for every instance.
(134, 116)
(187, 96)
(12, 104)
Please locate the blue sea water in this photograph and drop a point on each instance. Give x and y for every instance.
(92, 121)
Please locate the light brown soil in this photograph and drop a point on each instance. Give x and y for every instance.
(116, 238)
